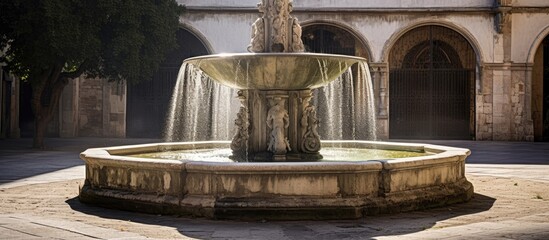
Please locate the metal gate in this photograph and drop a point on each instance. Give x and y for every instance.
(430, 95)
(432, 104)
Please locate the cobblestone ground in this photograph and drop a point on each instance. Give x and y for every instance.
(502, 208)
(39, 189)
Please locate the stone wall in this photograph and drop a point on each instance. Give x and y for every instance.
(90, 117)
(504, 102)
(92, 108)
(114, 109)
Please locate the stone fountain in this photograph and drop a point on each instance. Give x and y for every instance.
(276, 120)
(274, 170)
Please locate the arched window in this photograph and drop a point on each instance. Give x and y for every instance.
(435, 54)
(328, 39)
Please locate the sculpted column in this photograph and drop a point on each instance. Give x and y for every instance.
(242, 123)
(278, 122)
(310, 142)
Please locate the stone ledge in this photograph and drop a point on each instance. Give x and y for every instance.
(311, 190)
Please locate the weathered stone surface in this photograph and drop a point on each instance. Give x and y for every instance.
(299, 190)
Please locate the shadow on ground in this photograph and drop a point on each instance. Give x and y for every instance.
(365, 228)
(491, 152)
(19, 160)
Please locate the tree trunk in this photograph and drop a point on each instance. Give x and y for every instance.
(39, 132)
(43, 109)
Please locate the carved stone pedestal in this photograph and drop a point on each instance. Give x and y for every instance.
(276, 125)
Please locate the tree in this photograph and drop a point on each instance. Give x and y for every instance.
(50, 42)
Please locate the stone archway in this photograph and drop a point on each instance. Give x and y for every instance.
(431, 85)
(148, 101)
(540, 92)
(333, 39)
(336, 109)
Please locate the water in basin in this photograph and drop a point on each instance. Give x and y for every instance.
(329, 154)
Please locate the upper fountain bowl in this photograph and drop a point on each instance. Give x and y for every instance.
(274, 71)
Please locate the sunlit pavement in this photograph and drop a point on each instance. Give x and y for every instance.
(27, 173)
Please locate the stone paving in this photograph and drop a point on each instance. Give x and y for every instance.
(39, 189)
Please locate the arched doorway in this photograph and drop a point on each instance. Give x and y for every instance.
(334, 102)
(540, 92)
(321, 38)
(148, 101)
(431, 85)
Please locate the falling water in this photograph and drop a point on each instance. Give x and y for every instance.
(346, 106)
(365, 112)
(202, 109)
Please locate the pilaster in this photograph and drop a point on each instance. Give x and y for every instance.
(380, 75)
(522, 127)
(504, 111)
(485, 105)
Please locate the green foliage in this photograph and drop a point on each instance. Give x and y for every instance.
(114, 39)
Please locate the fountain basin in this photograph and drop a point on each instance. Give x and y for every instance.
(289, 191)
(274, 71)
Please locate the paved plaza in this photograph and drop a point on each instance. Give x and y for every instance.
(39, 200)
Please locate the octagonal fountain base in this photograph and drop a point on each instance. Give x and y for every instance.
(276, 191)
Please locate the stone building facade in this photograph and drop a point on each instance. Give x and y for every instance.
(495, 40)
(483, 63)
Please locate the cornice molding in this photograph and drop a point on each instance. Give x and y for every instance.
(435, 10)
(347, 10)
(506, 66)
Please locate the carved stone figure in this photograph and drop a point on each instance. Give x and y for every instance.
(309, 124)
(297, 43)
(279, 27)
(278, 121)
(257, 43)
(283, 30)
(242, 124)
